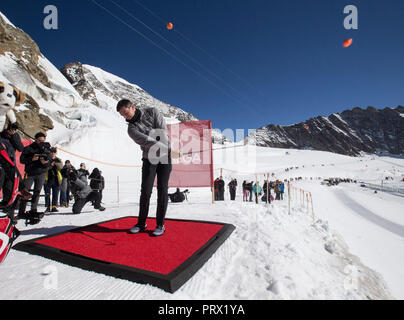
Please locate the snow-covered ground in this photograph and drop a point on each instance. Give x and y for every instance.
(352, 249)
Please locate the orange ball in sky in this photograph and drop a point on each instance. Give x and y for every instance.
(170, 26)
(347, 42)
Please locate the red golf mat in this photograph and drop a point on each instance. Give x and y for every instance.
(110, 245)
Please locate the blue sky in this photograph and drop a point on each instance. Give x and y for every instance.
(241, 64)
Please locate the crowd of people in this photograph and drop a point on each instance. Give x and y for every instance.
(337, 181)
(44, 172)
(274, 190)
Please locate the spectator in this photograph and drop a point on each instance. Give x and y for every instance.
(102, 183)
(257, 191)
(245, 191)
(178, 196)
(10, 142)
(64, 186)
(267, 192)
(282, 189)
(83, 172)
(221, 185)
(277, 190)
(232, 189)
(36, 158)
(250, 189)
(82, 192)
(216, 188)
(53, 179)
(95, 180)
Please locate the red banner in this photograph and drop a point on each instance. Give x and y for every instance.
(195, 167)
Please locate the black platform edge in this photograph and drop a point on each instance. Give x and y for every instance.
(170, 283)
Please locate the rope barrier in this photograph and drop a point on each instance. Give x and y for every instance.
(98, 161)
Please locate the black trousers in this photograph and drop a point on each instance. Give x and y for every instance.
(38, 182)
(232, 194)
(7, 180)
(149, 172)
(80, 203)
(8, 183)
(221, 194)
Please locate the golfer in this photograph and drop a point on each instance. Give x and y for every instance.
(148, 129)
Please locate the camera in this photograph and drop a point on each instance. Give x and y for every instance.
(45, 148)
(72, 174)
(42, 156)
(44, 151)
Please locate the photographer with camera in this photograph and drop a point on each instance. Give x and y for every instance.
(83, 172)
(36, 158)
(53, 181)
(82, 192)
(178, 195)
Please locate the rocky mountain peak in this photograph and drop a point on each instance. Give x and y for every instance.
(349, 132)
(25, 51)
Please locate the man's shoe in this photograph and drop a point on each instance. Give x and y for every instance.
(54, 209)
(101, 208)
(159, 231)
(35, 213)
(137, 229)
(31, 217)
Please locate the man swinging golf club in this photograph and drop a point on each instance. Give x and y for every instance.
(148, 129)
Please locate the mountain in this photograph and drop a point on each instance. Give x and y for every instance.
(70, 98)
(349, 132)
(23, 65)
(105, 89)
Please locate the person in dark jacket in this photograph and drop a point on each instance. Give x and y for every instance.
(277, 190)
(36, 158)
(148, 129)
(53, 181)
(10, 143)
(178, 195)
(83, 172)
(250, 189)
(232, 189)
(95, 180)
(221, 185)
(64, 186)
(257, 191)
(267, 192)
(102, 186)
(216, 188)
(82, 192)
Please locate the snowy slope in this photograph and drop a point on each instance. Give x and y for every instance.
(271, 255)
(105, 89)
